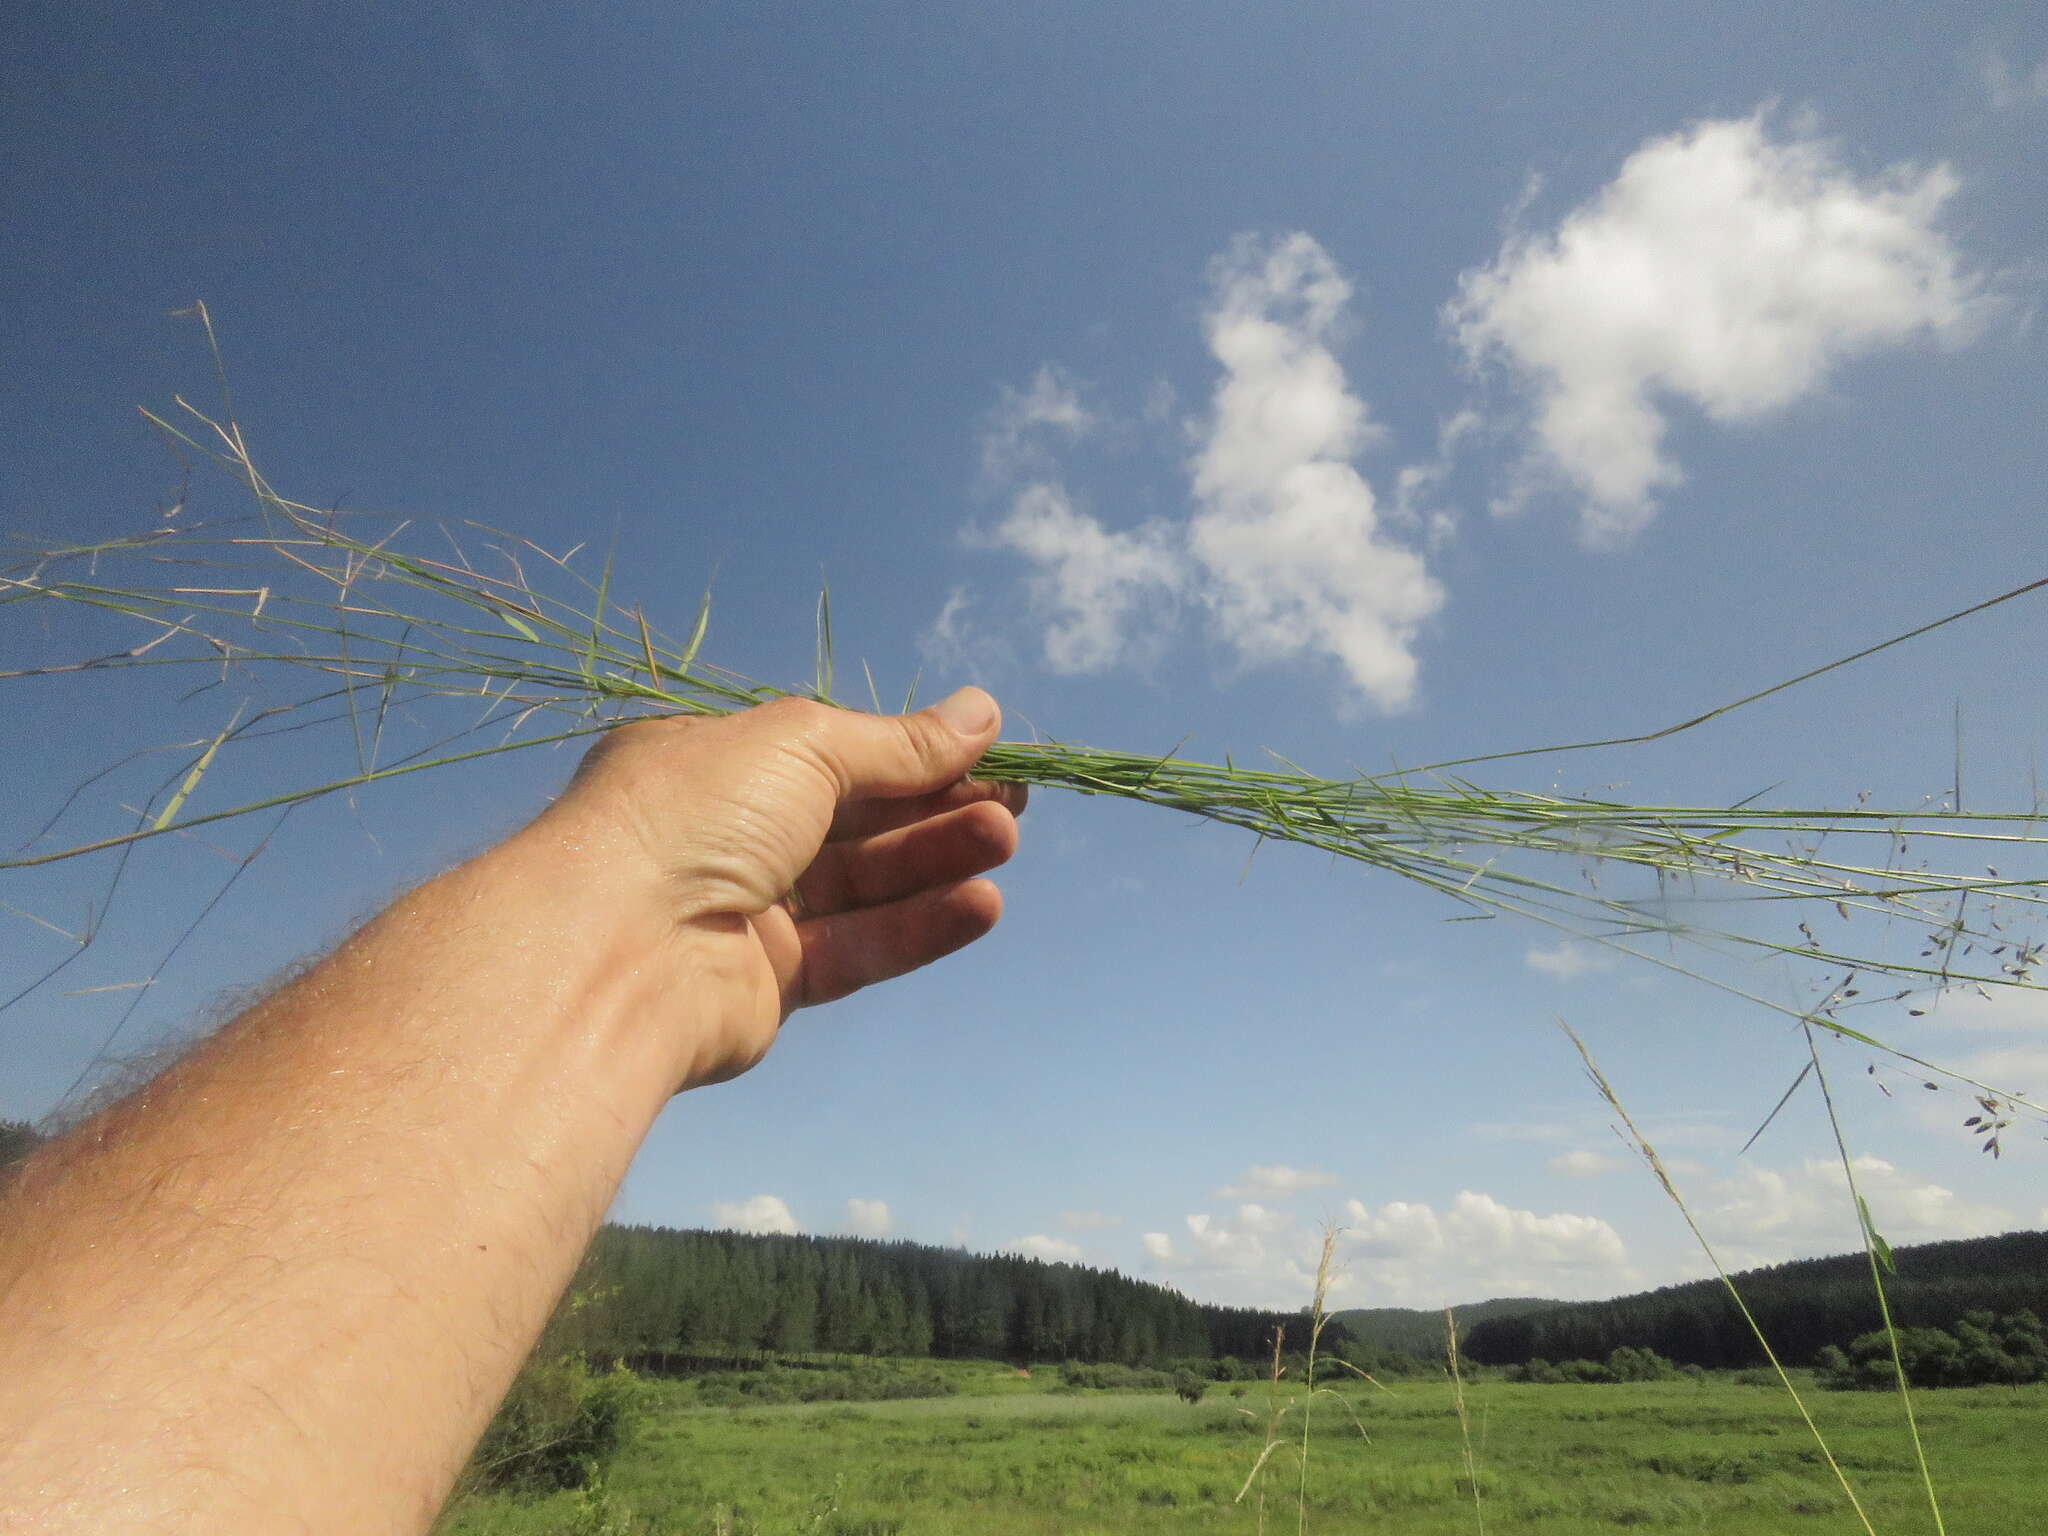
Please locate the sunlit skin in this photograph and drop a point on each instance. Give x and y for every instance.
(283, 1287)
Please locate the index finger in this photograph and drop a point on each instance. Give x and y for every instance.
(865, 818)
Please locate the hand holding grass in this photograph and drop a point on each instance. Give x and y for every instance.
(789, 855)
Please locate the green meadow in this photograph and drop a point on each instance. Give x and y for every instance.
(1005, 1454)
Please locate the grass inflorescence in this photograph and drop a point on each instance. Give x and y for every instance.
(383, 617)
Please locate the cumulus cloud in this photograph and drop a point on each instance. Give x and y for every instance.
(1285, 544)
(1056, 1250)
(1403, 1253)
(1763, 1215)
(1092, 585)
(1723, 268)
(869, 1218)
(1270, 1180)
(1583, 1163)
(762, 1213)
(1286, 529)
(1479, 1234)
(1086, 1221)
(1253, 1217)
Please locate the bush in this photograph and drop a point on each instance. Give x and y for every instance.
(1113, 1378)
(557, 1427)
(866, 1382)
(1189, 1387)
(1982, 1351)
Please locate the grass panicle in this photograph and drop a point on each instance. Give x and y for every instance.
(382, 619)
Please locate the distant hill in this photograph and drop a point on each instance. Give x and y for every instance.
(1801, 1306)
(1407, 1330)
(653, 1292)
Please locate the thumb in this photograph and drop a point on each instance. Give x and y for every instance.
(893, 756)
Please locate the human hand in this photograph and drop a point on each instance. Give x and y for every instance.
(787, 855)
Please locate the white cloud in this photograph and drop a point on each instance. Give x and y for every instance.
(2008, 88)
(1086, 1221)
(1285, 544)
(1763, 1215)
(1286, 529)
(1253, 1217)
(1274, 1179)
(1056, 1250)
(762, 1213)
(1014, 434)
(869, 1218)
(1092, 585)
(1583, 1163)
(1722, 268)
(2006, 1009)
(1402, 1253)
(1564, 960)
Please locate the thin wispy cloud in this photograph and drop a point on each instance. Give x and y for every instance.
(1086, 1221)
(1026, 427)
(2008, 86)
(1268, 1181)
(1724, 268)
(1566, 960)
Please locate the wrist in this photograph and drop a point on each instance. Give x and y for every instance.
(580, 959)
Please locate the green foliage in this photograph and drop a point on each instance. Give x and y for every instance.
(1111, 1377)
(678, 1303)
(1980, 1350)
(869, 1381)
(1189, 1387)
(557, 1428)
(1801, 1307)
(1626, 1364)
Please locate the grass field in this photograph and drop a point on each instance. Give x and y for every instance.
(1014, 1456)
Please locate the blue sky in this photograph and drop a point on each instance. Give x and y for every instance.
(1371, 387)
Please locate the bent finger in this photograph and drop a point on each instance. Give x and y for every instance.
(866, 818)
(940, 850)
(849, 950)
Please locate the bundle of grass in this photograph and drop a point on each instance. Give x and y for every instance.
(382, 617)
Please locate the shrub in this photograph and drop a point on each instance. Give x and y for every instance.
(1189, 1386)
(1982, 1351)
(557, 1427)
(1113, 1378)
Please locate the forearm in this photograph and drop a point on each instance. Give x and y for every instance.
(299, 1271)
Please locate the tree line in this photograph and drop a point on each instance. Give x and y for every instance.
(649, 1293)
(1803, 1307)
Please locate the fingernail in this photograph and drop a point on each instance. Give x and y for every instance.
(967, 710)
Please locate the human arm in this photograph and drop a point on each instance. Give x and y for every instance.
(284, 1286)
